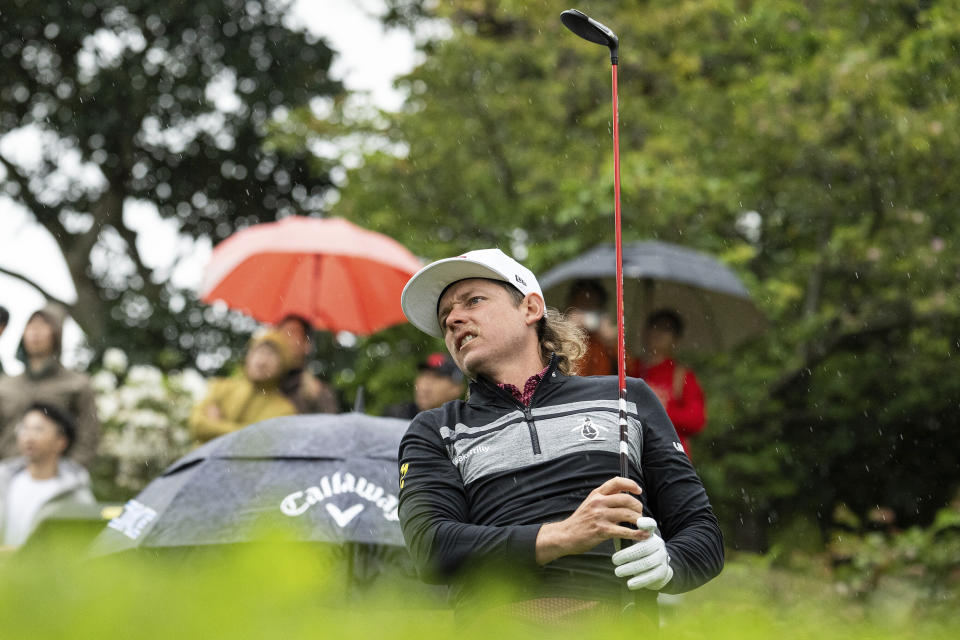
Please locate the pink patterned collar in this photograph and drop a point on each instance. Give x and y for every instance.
(524, 397)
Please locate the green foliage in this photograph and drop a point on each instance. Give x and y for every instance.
(836, 124)
(293, 591)
(873, 563)
(165, 105)
(384, 365)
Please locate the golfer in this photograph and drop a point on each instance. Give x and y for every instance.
(519, 480)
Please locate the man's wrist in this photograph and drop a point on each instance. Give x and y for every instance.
(550, 545)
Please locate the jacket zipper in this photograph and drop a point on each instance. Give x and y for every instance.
(528, 411)
(527, 414)
(532, 428)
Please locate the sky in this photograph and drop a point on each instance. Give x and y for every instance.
(368, 59)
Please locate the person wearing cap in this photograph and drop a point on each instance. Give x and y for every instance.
(40, 480)
(45, 379)
(438, 381)
(520, 479)
(235, 402)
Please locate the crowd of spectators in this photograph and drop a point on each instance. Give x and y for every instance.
(49, 427)
(675, 384)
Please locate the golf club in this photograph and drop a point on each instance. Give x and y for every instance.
(589, 29)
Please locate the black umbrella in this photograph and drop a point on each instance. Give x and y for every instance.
(712, 301)
(315, 478)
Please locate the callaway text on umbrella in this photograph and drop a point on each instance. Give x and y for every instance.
(317, 478)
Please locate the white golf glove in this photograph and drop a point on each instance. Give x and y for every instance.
(645, 562)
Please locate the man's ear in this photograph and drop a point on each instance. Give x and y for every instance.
(533, 308)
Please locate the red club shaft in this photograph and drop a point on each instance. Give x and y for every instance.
(621, 344)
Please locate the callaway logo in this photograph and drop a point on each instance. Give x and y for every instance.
(298, 502)
(343, 518)
(519, 279)
(678, 447)
(590, 432)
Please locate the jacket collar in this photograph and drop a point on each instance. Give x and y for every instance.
(485, 391)
(50, 368)
(69, 473)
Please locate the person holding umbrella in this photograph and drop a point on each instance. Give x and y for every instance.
(307, 392)
(675, 385)
(587, 307)
(521, 478)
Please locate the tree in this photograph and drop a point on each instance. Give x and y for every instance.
(166, 104)
(813, 148)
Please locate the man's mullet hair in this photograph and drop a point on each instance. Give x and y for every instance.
(556, 334)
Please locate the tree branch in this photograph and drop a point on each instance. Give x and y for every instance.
(145, 273)
(821, 350)
(46, 294)
(75, 249)
(41, 212)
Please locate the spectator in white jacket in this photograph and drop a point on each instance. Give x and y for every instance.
(41, 479)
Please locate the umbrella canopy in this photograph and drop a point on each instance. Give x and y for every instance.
(320, 478)
(335, 274)
(715, 306)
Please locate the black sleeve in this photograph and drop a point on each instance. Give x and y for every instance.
(676, 498)
(434, 513)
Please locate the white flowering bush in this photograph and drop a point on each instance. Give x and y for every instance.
(144, 414)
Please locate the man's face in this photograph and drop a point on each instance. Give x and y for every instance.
(38, 438)
(432, 390)
(297, 337)
(483, 326)
(38, 337)
(262, 363)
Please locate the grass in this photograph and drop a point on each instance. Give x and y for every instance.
(297, 591)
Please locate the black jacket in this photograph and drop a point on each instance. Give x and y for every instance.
(479, 478)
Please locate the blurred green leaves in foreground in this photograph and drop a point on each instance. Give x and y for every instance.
(882, 584)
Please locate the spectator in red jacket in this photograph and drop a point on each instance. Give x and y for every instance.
(674, 384)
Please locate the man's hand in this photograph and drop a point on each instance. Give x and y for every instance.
(646, 563)
(599, 517)
(310, 386)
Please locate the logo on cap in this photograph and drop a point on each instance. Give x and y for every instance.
(519, 279)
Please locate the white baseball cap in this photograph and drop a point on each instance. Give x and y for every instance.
(422, 292)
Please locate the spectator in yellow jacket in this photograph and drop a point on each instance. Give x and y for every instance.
(233, 403)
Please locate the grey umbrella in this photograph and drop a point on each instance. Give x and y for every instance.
(313, 478)
(715, 306)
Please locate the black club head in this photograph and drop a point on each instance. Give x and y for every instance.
(591, 30)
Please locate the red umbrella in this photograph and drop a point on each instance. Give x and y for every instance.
(330, 271)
